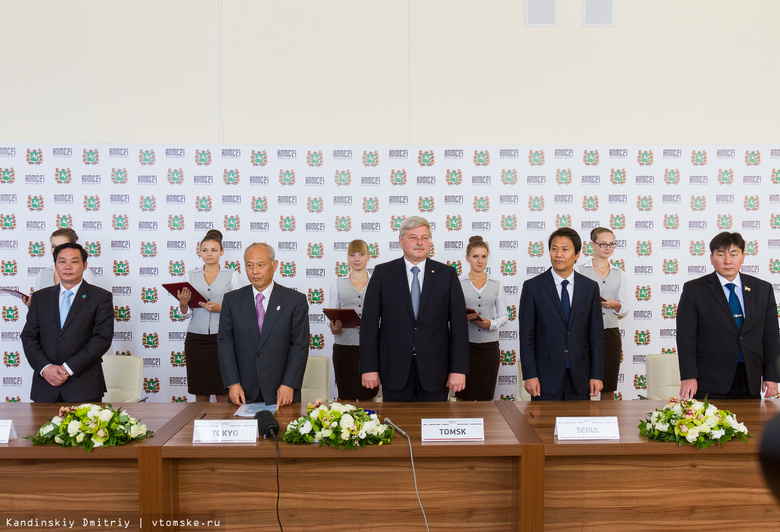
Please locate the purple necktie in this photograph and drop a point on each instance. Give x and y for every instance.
(260, 312)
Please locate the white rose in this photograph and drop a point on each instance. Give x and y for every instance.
(93, 412)
(740, 427)
(74, 427)
(697, 405)
(349, 408)
(57, 420)
(347, 421)
(718, 434)
(711, 410)
(677, 409)
(305, 428)
(105, 415)
(362, 434)
(337, 407)
(80, 437)
(704, 428)
(134, 431)
(344, 434)
(692, 435)
(711, 421)
(663, 427)
(98, 444)
(326, 433)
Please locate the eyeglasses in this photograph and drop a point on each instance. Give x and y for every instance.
(416, 239)
(603, 245)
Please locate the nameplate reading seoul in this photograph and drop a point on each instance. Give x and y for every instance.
(225, 431)
(587, 428)
(6, 430)
(457, 429)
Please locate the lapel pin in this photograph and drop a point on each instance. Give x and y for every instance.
(278, 308)
(83, 296)
(747, 289)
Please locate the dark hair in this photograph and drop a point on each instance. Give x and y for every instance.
(476, 242)
(70, 245)
(357, 246)
(597, 231)
(569, 233)
(67, 232)
(213, 235)
(725, 240)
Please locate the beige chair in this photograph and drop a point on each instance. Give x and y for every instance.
(316, 380)
(124, 378)
(662, 376)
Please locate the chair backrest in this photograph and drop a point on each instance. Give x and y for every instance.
(124, 378)
(662, 376)
(316, 380)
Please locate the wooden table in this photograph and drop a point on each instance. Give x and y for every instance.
(475, 486)
(638, 484)
(49, 482)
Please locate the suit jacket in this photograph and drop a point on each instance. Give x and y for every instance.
(261, 362)
(439, 335)
(547, 342)
(81, 342)
(708, 341)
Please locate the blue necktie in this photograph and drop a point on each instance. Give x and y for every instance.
(565, 303)
(415, 291)
(736, 310)
(65, 307)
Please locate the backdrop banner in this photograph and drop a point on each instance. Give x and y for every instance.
(141, 211)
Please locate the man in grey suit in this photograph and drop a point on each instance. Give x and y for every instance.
(68, 330)
(561, 329)
(727, 337)
(263, 337)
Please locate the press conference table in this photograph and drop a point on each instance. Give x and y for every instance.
(520, 478)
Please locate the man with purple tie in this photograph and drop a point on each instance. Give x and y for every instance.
(263, 335)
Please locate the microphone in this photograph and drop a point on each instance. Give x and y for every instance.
(267, 424)
(396, 427)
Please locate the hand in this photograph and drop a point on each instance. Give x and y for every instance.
(472, 316)
(27, 300)
(370, 380)
(688, 389)
(184, 295)
(284, 396)
(335, 327)
(55, 375)
(533, 387)
(482, 323)
(236, 394)
(456, 382)
(611, 304)
(211, 306)
(595, 387)
(769, 388)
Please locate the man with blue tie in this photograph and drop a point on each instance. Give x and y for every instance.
(414, 331)
(561, 329)
(727, 329)
(69, 328)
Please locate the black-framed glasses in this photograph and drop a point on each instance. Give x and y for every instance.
(603, 245)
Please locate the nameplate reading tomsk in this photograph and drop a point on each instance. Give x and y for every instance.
(456, 429)
(6, 430)
(587, 428)
(225, 431)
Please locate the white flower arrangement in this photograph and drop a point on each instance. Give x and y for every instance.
(339, 426)
(697, 423)
(90, 426)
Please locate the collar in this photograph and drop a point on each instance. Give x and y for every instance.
(266, 293)
(737, 281)
(558, 279)
(74, 289)
(409, 265)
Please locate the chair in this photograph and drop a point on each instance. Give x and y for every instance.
(316, 380)
(662, 375)
(124, 378)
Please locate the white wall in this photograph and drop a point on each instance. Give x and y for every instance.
(420, 71)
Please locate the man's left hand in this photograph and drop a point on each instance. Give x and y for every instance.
(284, 396)
(769, 388)
(595, 387)
(456, 382)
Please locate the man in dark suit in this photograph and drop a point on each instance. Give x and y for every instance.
(420, 348)
(724, 351)
(561, 329)
(69, 328)
(263, 337)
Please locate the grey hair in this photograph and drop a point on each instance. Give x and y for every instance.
(268, 247)
(413, 222)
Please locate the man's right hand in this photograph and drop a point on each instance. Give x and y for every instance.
(533, 387)
(688, 389)
(55, 375)
(236, 394)
(371, 380)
